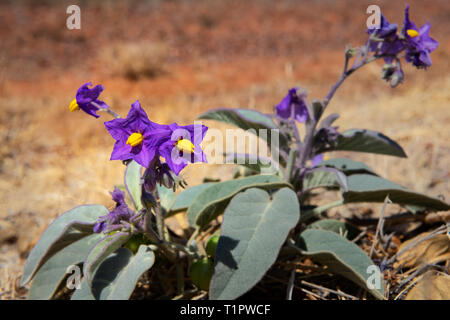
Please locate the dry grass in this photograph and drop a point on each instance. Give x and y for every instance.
(135, 60)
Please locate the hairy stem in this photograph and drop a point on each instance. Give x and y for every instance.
(308, 143)
(290, 165)
(111, 112)
(159, 217)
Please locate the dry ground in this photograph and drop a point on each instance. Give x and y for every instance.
(180, 58)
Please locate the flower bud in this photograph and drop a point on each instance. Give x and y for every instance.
(397, 78)
(387, 72)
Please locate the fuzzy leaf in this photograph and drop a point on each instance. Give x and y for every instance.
(363, 140)
(255, 227)
(347, 166)
(71, 226)
(133, 183)
(102, 249)
(370, 188)
(328, 121)
(117, 275)
(341, 256)
(184, 199)
(340, 227)
(324, 177)
(83, 293)
(48, 278)
(167, 197)
(211, 202)
(244, 119)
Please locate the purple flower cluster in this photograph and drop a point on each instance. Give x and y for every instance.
(416, 42)
(145, 142)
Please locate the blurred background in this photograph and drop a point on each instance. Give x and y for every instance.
(179, 59)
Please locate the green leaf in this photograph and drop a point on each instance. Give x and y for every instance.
(347, 166)
(211, 202)
(245, 119)
(48, 278)
(340, 227)
(363, 140)
(184, 199)
(369, 188)
(328, 121)
(84, 292)
(317, 108)
(116, 277)
(324, 178)
(253, 162)
(254, 228)
(71, 226)
(133, 183)
(341, 256)
(102, 249)
(167, 197)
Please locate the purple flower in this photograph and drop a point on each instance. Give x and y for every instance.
(293, 105)
(178, 145)
(387, 42)
(140, 139)
(419, 44)
(113, 219)
(87, 100)
(132, 136)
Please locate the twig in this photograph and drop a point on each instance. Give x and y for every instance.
(419, 271)
(407, 288)
(313, 294)
(379, 231)
(316, 286)
(400, 218)
(186, 295)
(200, 296)
(290, 286)
(359, 236)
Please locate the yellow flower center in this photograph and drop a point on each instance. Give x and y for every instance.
(185, 145)
(412, 33)
(73, 106)
(135, 139)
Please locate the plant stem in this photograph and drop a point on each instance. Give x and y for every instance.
(159, 216)
(193, 236)
(312, 128)
(316, 211)
(290, 165)
(111, 112)
(115, 115)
